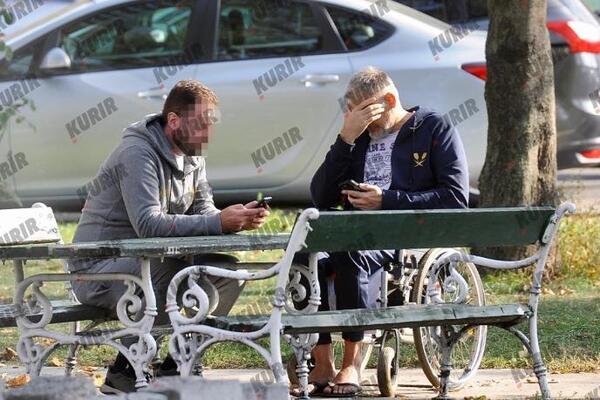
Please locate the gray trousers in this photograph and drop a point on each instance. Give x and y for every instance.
(106, 294)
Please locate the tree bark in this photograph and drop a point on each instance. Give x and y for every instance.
(520, 164)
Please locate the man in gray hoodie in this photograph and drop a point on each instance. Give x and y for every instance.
(154, 184)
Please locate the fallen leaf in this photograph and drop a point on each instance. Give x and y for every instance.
(564, 291)
(18, 380)
(533, 379)
(55, 362)
(8, 354)
(47, 342)
(88, 371)
(98, 380)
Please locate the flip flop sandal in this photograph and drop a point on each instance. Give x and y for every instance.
(316, 390)
(357, 390)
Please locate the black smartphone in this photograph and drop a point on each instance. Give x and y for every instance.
(350, 184)
(263, 201)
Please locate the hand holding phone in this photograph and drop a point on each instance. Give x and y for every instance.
(262, 200)
(351, 184)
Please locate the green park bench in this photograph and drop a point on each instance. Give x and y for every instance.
(450, 318)
(445, 309)
(30, 234)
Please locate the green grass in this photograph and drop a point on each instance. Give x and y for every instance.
(569, 308)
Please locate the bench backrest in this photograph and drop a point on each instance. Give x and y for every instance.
(381, 230)
(28, 226)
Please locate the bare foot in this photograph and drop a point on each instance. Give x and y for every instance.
(347, 375)
(322, 374)
(318, 378)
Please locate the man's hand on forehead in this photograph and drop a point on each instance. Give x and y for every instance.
(386, 99)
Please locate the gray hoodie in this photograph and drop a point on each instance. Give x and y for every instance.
(141, 192)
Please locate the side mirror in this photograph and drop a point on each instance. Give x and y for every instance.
(55, 59)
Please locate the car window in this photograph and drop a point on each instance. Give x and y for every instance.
(137, 35)
(255, 29)
(358, 30)
(19, 66)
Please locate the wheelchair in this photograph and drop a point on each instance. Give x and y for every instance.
(404, 281)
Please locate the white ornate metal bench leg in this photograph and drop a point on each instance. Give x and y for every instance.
(139, 353)
(182, 346)
(540, 258)
(302, 346)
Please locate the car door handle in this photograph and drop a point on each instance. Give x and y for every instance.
(153, 93)
(320, 79)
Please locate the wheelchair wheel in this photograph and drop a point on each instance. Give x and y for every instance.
(468, 352)
(388, 366)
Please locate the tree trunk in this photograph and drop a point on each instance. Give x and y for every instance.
(520, 164)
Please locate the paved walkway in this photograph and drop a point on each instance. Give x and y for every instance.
(491, 383)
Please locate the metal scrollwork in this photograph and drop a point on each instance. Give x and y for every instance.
(296, 291)
(135, 314)
(194, 299)
(453, 283)
(37, 301)
(129, 306)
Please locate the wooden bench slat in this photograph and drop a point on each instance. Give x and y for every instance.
(63, 311)
(344, 230)
(410, 316)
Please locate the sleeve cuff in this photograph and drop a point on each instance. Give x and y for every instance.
(342, 146)
(391, 199)
(214, 224)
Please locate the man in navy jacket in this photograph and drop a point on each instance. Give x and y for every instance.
(406, 159)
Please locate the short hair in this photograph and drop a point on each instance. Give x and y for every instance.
(367, 83)
(185, 94)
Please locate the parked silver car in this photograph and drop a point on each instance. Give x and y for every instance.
(279, 67)
(575, 38)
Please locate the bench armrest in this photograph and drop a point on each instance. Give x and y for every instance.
(539, 258)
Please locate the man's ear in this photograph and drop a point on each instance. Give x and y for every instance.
(173, 120)
(390, 99)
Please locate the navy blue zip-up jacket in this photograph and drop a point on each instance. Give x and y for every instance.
(429, 167)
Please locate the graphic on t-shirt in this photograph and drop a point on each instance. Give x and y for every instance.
(378, 161)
